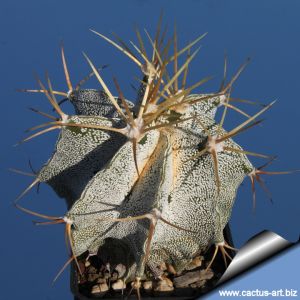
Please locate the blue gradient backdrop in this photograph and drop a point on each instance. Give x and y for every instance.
(267, 31)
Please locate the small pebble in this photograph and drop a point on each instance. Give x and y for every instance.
(168, 281)
(118, 285)
(121, 269)
(198, 284)
(164, 285)
(103, 287)
(195, 263)
(101, 280)
(147, 285)
(96, 289)
(192, 277)
(171, 269)
(92, 277)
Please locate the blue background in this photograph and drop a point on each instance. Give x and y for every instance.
(267, 31)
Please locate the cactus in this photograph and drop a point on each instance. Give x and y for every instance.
(153, 181)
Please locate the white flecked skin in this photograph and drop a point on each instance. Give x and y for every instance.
(87, 102)
(80, 153)
(95, 171)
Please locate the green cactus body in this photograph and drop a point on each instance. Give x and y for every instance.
(107, 186)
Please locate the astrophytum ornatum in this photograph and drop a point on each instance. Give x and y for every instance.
(149, 183)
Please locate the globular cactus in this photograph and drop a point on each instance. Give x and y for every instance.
(155, 181)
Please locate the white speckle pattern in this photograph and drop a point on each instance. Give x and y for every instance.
(103, 185)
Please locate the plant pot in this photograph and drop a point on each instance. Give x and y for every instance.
(189, 284)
